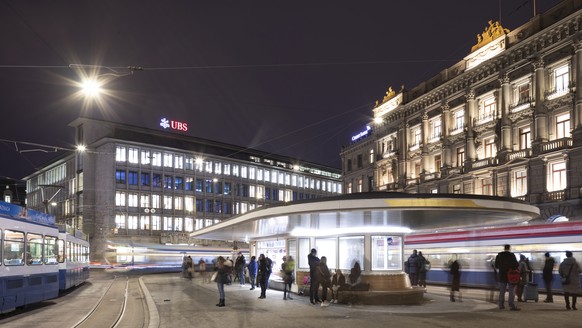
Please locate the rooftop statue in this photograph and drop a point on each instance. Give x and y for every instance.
(491, 32)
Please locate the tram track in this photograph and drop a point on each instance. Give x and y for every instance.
(110, 308)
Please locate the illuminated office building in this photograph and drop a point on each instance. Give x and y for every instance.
(506, 120)
(134, 185)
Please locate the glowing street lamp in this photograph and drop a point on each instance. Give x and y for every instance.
(91, 87)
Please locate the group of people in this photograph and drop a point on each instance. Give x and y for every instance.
(569, 271)
(417, 266)
(320, 276)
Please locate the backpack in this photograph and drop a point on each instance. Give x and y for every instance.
(513, 276)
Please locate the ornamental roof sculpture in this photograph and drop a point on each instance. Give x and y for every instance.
(389, 95)
(492, 32)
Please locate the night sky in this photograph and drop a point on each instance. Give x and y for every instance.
(296, 78)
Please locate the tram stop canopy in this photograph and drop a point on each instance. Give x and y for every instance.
(373, 212)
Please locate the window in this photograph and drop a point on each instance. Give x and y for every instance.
(132, 178)
(189, 224)
(145, 179)
(34, 246)
(488, 109)
(561, 78)
(157, 159)
(189, 163)
(557, 176)
(437, 163)
(178, 183)
(199, 184)
(120, 221)
(371, 159)
(178, 203)
(456, 189)
(189, 203)
(144, 200)
(167, 202)
(146, 157)
(208, 166)
(349, 165)
(120, 154)
(487, 187)
(208, 185)
(351, 250)
(525, 138)
(523, 94)
(520, 184)
(120, 176)
(167, 223)
(156, 201)
(179, 162)
(227, 169)
(189, 183)
(244, 172)
(178, 224)
(156, 222)
(119, 198)
(132, 200)
(144, 222)
(328, 246)
(436, 129)
(51, 250)
(168, 160)
(563, 126)
(360, 161)
(386, 253)
(460, 156)
(132, 222)
(490, 149)
(13, 247)
(168, 181)
(133, 155)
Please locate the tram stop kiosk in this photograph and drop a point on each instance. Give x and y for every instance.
(368, 228)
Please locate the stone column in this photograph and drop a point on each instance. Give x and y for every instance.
(470, 114)
(403, 131)
(540, 112)
(504, 103)
(424, 163)
(445, 124)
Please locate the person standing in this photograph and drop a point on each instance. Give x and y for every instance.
(412, 268)
(325, 280)
(289, 276)
(570, 270)
(239, 268)
(221, 279)
(455, 268)
(523, 276)
(253, 267)
(503, 262)
(548, 276)
(313, 262)
(423, 264)
(189, 267)
(264, 274)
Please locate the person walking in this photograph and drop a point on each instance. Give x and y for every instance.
(313, 262)
(325, 280)
(455, 270)
(412, 268)
(253, 267)
(548, 276)
(288, 277)
(504, 262)
(221, 279)
(523, 277)
(202, 269)
(569, 271)
(423, 265)
(264, 274)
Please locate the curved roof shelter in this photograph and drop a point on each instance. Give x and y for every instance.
(374, 212)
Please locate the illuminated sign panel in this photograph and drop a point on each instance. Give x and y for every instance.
(362, 134)
(173, 125)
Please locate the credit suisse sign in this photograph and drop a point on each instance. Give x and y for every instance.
(173, 125)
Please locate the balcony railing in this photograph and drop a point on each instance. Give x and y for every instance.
(432, 176)
(434, 138)
(414, 147)
(484, 118)
(457, 129)
(519, 154)
(484, 162)
(557, 93)
(556, 144)
(522, 104)
(553, 196)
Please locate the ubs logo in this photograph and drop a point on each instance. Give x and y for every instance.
(174, 125)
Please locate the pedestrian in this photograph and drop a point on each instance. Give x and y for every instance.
(189, 267)
(253, 268)
(423, 267)
(288, 276)
(504, 262)
(313, 262)
(264, 274)
(324, 279)
(338, 283)
(229, 264)
(221, 279)
(412, 268)
(239, 268)
(569, 271)
(523, 276)
(202, 269)
(548, 276)
(455, 270)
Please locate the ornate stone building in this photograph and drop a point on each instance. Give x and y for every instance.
(504, 121)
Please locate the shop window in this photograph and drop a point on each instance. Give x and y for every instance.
(386, 253)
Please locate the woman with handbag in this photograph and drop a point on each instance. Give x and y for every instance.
(569, 272)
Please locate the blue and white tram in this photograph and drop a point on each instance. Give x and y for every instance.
(73, 260)
(32, 252)
(476, 250)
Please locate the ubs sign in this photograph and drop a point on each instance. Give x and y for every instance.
(173, 125)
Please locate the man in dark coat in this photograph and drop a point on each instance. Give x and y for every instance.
(313, 261)
(413, 267)
(548, 276)
(503, 262)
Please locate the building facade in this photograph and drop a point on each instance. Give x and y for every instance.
(504, 121)
(135, 185)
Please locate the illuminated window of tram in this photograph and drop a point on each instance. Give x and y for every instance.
(61, 250)
(34, 246)
(13, 247)
(50, 250)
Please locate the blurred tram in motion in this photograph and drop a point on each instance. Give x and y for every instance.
(476, 250)
(37, 260)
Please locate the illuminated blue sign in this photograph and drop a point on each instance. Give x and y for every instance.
(362, 134)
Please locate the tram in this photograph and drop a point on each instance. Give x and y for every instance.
(476, 250)
(37, 260)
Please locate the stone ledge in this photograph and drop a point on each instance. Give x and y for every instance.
(410, 296)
